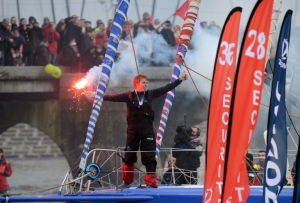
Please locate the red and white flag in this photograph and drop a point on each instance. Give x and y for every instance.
(181, 12)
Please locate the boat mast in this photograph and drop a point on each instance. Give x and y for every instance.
(185, 37)
(107, 64)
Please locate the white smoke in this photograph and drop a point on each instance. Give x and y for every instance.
(202, 59)
(151, 48)
(93, 77)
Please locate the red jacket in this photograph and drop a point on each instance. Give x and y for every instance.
(51, 36)
(101, 37)
(5, 171)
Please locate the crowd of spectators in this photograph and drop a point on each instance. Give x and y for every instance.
(71, 42)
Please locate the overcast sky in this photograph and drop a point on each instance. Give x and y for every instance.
(104, 9)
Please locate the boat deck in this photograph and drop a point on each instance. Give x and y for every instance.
(162, 194)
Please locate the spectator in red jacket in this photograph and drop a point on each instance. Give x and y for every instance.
(51, 36)
(5, 171)
(101, 34)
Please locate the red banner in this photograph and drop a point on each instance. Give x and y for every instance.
(246, 100)
(220, 100)
(181, 12)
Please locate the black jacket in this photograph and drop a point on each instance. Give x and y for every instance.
(187, 157)
(168, 36)
(69, 57)
(140, 118)
(3, 36)
(37, 36)
(42, 56)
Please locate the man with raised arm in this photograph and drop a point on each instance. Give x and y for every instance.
(140, 134)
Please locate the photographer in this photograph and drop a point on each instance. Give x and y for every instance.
(188, 150)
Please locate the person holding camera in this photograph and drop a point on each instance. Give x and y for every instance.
(187, 152)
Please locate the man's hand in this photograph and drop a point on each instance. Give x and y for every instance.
(89, 94)
(184, 76)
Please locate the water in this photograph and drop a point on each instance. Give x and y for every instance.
(37, 176)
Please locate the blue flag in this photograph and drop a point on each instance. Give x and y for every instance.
(276, 154)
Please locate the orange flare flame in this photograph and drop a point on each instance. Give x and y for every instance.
(81, 84)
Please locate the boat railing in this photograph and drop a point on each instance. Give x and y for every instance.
(110, 161)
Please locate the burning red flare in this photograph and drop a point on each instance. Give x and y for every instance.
(80, 84)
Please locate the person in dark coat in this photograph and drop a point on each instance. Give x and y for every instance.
(72, 30)
(61, 29)
(140, 134)
(37, 36)
(31, 20)
(70, 56)
(26, 32)
(42, 54)
(99, 55)
(3, 40)
(87, 50)
(168, 34)
(187, 152)
(13, 22)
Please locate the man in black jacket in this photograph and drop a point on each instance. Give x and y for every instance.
(187, 152)
(140, 134)
(168, 34)
(4, 40)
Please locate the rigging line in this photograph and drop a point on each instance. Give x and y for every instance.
(287, 112)
(182, 171)
(260, 103)
(74, 165)
(108, 155)
(292, 138)
(98, 157)
(253, 164)
(39, 191)
(198, 73)
(290, 115)
(195, 86)
(137, 69)
(267, 75)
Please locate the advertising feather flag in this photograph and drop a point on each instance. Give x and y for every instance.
(247, 94)
(220, 100)
(276, 154)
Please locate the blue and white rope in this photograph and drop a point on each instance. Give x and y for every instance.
(181, 51)
(188, 27)
(113, 43)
